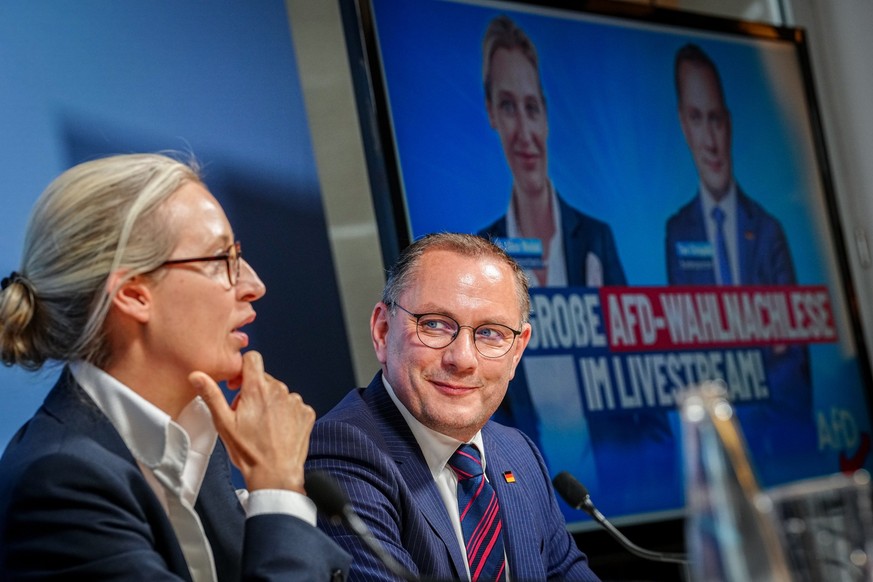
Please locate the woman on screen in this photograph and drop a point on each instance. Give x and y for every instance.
(558, 245)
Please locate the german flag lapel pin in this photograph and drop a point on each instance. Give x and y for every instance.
(509, 477)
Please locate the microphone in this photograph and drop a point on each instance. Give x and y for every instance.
(333, 503)
(576, 496)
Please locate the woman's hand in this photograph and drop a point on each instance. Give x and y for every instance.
(266, 429)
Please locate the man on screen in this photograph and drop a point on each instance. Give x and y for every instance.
(755, 251)
(574, 249)
(723, 237)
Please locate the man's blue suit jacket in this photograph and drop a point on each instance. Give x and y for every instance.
(764, 255)
(583, 234)
(784, 426)
(366, 445)
(75, 505)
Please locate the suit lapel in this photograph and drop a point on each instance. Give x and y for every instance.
(697, 228)
(74, 408)
(521, 548)
(404, 449)
(574, 242)
(747, 229)
(498, 230)
(697, 232)
(222, 516)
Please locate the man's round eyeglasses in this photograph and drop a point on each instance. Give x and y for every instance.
(436, 330)
(231, 257)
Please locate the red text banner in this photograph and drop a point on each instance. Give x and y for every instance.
(679, 318)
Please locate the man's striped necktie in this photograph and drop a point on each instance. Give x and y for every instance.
(480, 516)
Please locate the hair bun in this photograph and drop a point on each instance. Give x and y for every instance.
(13, 277)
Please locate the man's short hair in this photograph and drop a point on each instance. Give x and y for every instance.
(694, 55)
(402, 273)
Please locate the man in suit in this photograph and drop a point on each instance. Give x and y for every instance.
(723, 237)
(393, 446)
(755, 245)
(574, 249)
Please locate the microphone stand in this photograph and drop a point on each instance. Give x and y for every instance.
(590, 509)
(333, 503)
(576, 495)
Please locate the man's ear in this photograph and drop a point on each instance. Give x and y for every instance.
(131, 298)
(379, 331)
(518, 348)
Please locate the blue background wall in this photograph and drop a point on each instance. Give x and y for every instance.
(216, 79)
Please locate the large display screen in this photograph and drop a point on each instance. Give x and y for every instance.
(662, 177)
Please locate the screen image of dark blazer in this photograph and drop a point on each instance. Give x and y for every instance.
(582, 235)
(784, 424)
(366, 445)
(764, 256)
(75, 505)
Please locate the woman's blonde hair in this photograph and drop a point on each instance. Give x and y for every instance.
(503, 33)
(95, 219)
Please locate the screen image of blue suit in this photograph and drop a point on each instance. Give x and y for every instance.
(764, 255)
(784, 424)
(583, 236)
(75, 505)
(367, 446)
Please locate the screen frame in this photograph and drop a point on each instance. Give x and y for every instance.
(389, 197)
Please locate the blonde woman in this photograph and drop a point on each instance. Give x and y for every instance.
(131, 278)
